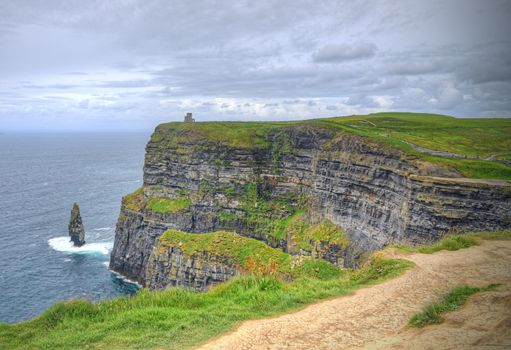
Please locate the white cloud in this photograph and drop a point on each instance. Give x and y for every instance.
(384, 102)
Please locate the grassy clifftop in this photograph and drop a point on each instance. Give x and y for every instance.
(481, 137)
(251, 255)
(474, 147)
(228, 244)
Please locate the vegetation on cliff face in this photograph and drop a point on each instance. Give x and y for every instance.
(249, 255)
(279, 218)
(168, 205)
(303, 234)
(285, 218)
(241, 250)
(134, 201)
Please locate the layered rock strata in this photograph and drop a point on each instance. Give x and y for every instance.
(374, 194)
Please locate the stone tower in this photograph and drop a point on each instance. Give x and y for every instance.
(189, 118)
(76, 230)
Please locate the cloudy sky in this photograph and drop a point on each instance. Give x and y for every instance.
(127, 65)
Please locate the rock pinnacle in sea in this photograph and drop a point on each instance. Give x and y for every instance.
(76, 230)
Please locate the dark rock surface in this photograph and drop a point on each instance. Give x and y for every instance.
(377, 194)
(175, 269)
(76, 229)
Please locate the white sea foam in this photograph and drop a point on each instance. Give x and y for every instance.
(125, 279)
(106, 263)
(63, 244)
(103, 229)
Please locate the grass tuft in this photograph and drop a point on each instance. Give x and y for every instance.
(451, 243)
(432, 313)
(454, 242)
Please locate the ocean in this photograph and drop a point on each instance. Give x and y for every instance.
(41, 175)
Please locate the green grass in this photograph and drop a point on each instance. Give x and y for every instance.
(134, 201)
(468, 136)
(493, 235)
(232, 134)
(454, 242)
(168, 205)
(475, 169)
(304, 235)
(180, 319)
(248, 254)
(471, 137)
(456, 298)
(226, 244)
(284, 218)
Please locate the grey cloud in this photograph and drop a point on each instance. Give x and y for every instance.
(344, 52)
(487, 70)
(154, 59)
(418, 67)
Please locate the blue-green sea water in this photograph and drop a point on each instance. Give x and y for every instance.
(41, 175)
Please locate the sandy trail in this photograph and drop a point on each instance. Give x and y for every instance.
(377, 317)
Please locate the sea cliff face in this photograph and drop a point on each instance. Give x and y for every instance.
(305, 189)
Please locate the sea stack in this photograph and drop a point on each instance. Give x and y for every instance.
(76, 230)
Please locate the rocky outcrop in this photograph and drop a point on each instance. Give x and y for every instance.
(375, 194)
(200, 260)
(172, 268)
(76, 229)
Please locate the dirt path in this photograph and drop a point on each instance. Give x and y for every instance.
(377, 317)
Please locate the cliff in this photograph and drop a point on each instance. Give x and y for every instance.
(303, 188)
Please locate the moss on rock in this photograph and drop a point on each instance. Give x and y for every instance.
(241, 250)
(134, 201)
(165, 205)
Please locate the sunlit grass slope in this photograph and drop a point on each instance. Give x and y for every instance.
(482, 137)
(487, 139)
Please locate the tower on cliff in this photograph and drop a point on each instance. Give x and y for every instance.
(76, 230)
(189, 118)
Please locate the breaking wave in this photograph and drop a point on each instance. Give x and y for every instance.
(63, 244)
(125, 279)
